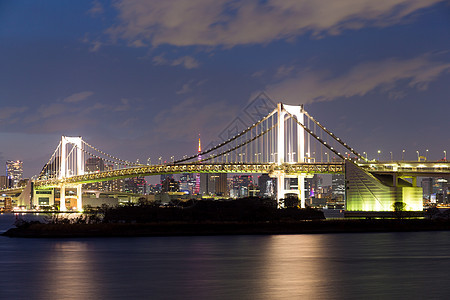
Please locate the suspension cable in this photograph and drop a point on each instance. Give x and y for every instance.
(333, 136)
(240, 145)
(315, 136)
(110, 156)
(227, 141)
(51, 157)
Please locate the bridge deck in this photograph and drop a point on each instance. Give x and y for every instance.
(289, 169)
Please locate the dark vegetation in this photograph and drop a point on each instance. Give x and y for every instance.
(242, 216)
(240, 210)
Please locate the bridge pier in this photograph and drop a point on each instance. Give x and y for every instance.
(280, 189)
(62, 198)
(301, 190)
(79, 198)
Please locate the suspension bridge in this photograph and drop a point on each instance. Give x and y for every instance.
(286, 143)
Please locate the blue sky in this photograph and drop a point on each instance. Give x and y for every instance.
(140, 78)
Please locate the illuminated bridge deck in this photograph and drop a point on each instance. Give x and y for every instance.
(289, 169)
(409, 168)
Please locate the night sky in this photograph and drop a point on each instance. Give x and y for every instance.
(141, 78)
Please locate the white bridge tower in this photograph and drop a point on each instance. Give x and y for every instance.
(71, 164)
(295, 111)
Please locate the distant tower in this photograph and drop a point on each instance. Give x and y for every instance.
(197, 176)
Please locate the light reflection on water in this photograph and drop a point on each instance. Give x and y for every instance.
(321, 266)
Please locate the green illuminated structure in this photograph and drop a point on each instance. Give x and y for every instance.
(378, 193)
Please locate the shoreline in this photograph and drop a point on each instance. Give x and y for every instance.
(38, 230)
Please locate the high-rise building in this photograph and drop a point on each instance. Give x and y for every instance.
(187, 183)
(266, 186)
(4, 182)
(427, 187)
(338, 186)
(135, 185)
(240, 187)
(214, 184)
(14, 172)
(170, 185)
(164, 176)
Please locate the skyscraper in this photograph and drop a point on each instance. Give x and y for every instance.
(214, 184)
(187, 183)
(3, 182)
(14, 171)
(135, 185)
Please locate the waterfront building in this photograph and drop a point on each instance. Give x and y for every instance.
(14, 172)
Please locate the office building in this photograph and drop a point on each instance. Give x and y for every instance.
(14, 172)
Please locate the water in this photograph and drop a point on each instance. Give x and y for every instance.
(322, 266)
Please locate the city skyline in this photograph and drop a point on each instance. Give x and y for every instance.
(141, 79)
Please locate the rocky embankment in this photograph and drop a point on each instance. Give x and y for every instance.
(38, 230)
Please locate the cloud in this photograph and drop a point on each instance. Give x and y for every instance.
(96, 9)
(11, 111)
(306, 87)
(186, 61)
(188, 87)
(124, 105)
(78, 97)
(240, 22)
(258, 74)
(284, 71)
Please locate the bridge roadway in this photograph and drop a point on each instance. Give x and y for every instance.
(269, 168)
(403, 168)
(409, 168)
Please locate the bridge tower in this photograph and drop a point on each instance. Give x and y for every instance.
(71, 164)
(295, 111)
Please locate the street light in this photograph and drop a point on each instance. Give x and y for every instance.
(418, 155)
(328, 156)
(379, 152)
(149, 161)
(391, 155)
(403, 155)
(172, 157)
(365, 155)
(426, 155)
(445, 155)
(160, 160)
